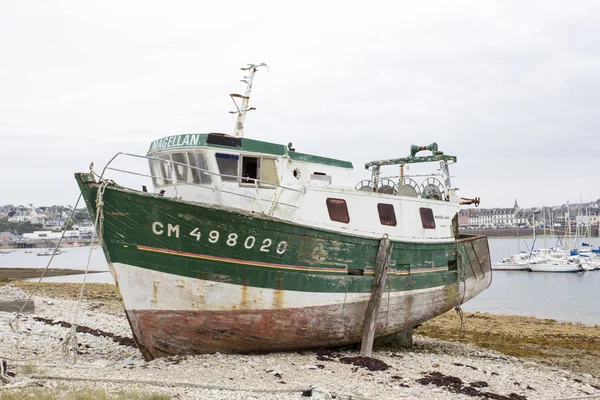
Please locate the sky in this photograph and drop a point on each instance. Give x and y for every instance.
(511, 88)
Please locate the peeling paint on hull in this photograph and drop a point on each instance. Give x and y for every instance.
(161, 333)
(168, 318)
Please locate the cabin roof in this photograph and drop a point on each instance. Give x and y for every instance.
(222, 141)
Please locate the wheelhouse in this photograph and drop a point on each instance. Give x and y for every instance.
(221, 160)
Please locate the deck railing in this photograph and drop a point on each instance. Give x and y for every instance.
(214, 188)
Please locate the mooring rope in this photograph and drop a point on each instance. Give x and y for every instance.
(153, 382)
(70, 337)
(35, 288)
(459, 311)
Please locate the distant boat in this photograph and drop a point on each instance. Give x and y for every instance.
(5, 252)
(49, 252)
(557, 265)
(503, 266)
(518, 262)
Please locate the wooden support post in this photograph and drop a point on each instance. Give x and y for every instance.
(381, 264)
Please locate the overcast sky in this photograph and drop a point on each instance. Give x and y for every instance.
(511, 88)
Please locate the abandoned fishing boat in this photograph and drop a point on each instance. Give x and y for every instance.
(250, 246)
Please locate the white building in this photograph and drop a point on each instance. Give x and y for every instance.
(503, 217)
(474, 219)
(18, 217)
(486, 217)
(585, 220)
(31, 215)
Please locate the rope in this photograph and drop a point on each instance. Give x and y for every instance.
(459, 311)
(70, 337)
(16, 318)
(158, 383)
(172, 384)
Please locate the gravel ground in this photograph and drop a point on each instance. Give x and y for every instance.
(433, 369)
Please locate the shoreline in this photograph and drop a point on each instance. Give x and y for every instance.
(63, 245)
(10, 274)
(528, 233)
(539, 339)
(566, 344)
(499, 357)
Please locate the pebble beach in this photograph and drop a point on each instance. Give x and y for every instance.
(495, 357)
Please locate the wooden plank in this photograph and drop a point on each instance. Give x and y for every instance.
(381, 264)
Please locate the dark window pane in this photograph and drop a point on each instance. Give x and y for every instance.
(387, 216)
(338, 211)
(228, 165)
(223, 140)
(427, 218)
(250, 166)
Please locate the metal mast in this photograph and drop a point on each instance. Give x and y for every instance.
(243, 107)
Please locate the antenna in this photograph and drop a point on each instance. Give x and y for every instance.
(243, 107)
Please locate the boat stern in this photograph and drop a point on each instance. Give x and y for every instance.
(474, 266)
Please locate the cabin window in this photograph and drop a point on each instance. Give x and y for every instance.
(338, 210)
(155, 172)
(427, 218)
(250, 169)
(387, 215)
(180, 166)
(158, 169)
(268, 171)
(198, 160)
(228, 165)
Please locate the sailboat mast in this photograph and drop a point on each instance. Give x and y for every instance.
(245, 99)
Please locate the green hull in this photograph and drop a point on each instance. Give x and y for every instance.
(136, 232)
(174, 239)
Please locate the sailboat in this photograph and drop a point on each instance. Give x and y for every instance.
(49, 252)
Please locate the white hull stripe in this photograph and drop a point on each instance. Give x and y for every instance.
(144, 289)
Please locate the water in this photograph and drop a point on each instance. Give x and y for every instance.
(570, 297)
(70, 258)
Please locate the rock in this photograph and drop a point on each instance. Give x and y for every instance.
(530, 363)
(15, 306)
(129, 361)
